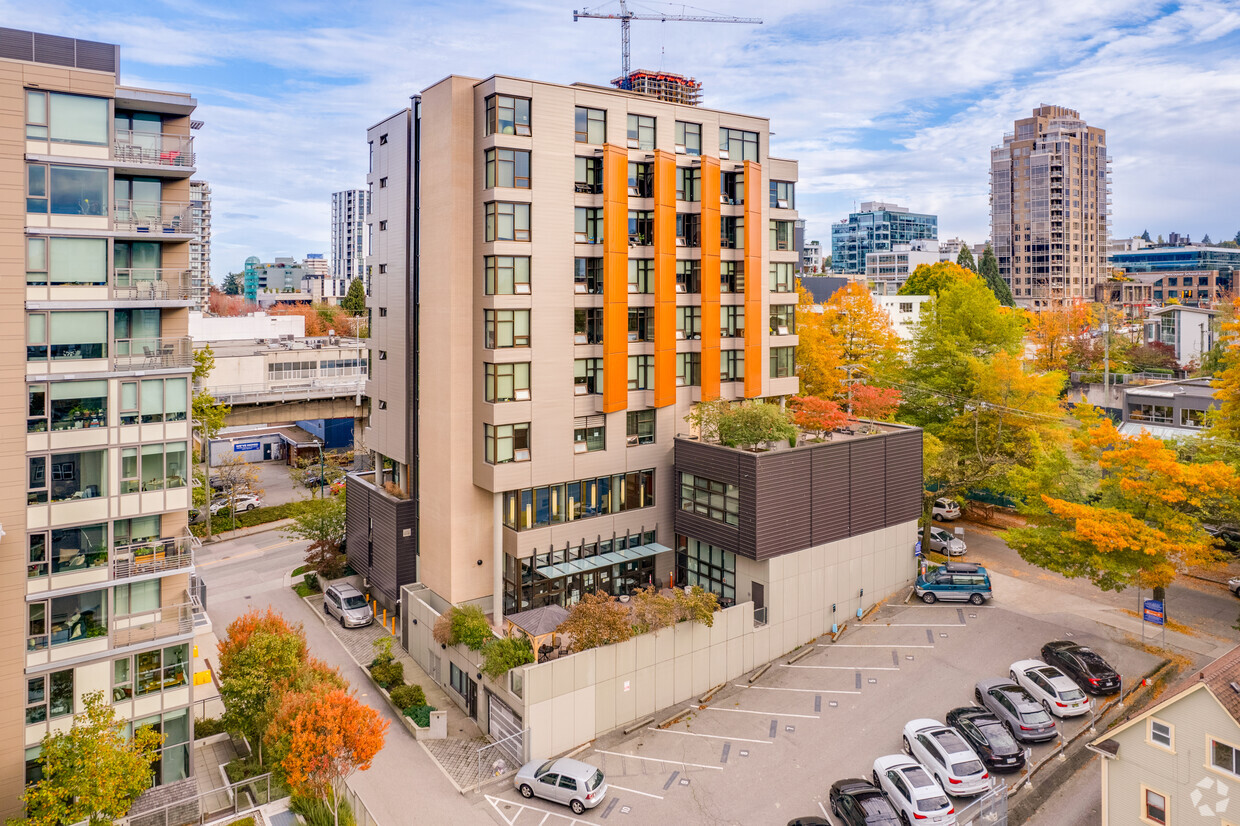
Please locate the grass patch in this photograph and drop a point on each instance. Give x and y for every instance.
(259, 516)
(303, 590)
(245, 821)
(301, 570)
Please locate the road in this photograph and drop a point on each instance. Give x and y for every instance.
(248, 572)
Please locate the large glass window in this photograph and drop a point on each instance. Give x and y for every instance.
(688, 183)
(588, 225)
(165, 400)
(688, 138)
(65, 336)
(507, 115)
(738, 145)
(589, 434)
(506, 328)
(713, 569)
(506, 443)
(64, 476)
(782, 278)
(641, 372)
(69, 405)
(66, 261)
(783, 195)
(135, 531)
(153, 467)
(579, 499)
(639, 427)
(588, 325)
(588, 175)
(731, 365)
(507, 221)
(137, 598)
(172, 763)
(641, 275)
(155, 671)
(590, 125)
(588, 276)
(587, 377)
(783, 362)
(714, 500)
(783, 319)
(641, 180)
(508, 167)
(63, 118)
(508, 382)
(641, 132)
(781, 235)
(507, 274)
(66, 190)
(68, 619)
(731, 320)
(68, 549)
(688, 369)
(49, 696)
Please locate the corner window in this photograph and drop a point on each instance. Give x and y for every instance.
(507, 382)
(505, 443)
(738, 145)
(508, 221)
(590, 125)
(67, 619)
(49, 696)
(506, 328)
(641, 132)
(507, 274)
(589, 434)
(714, 500)
(688, 138)
(783, 195)
(63, 118)
(507, 115)
(639, 427)
(67, 261)
(61, 477)
(508, 168)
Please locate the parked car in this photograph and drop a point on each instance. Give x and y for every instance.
(954, 581)
(1226, 538)
(945, 510)
(241, 502)
(946, 544)
(1234, 585)
(1027, 720)
(946, 755)
(577, 785)
(913, 792)
(1056, 691)
(989, 737)
(856, 802)
(347, 604)
(812, 820)
(218, 483)
(1084, 665)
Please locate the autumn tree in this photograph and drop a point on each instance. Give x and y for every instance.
(819, 356)
(244, 627)
(965, 258)
(1151, 356)
(931, 279)
(817, 415)
(870, 402)
(1225, 419)
(237, 477)
(596, 619)
(989, 270)
(92, 772)
(751, 423)
(260, 656)
(868, 346)
(1142, 523)
(228, 304)
(322, 524)
(1054, 330)
(295, 696)
(332, 737)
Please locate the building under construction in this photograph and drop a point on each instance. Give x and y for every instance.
(666, 86)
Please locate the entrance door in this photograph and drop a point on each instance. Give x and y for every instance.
(471, 697)
(759, 596)
(266, 451)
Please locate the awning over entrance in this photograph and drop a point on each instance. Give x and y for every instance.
(594, 563)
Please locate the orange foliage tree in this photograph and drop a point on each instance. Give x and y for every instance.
(315, 677)
(331, 736)
(1145, 521)
(870, 402)
(818, 350)
(320, 318)
(818, 415)
(868, 346)
(245, 626)
(221, 304)
(1055, 330)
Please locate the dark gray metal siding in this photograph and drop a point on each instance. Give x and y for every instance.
(55, 50)
(701, 460)
(785, 486)
(904, 480)
(375, 524)
(867, 485)
(831, 508)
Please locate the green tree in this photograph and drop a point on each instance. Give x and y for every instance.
(232, 284)
(208, 417)
(1145, 236)
(1205, 239)
(322, 525)
(930, 279)
(749, 423)
(826, 260)
(93, 772)
(354, 301)
(965, 258)
(256, 676)
(502, 654)
(1160, 242)
(989, 271)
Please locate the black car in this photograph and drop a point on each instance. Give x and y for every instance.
(1226, 539)
(812, 820)
(858, 802)
(989, 737)
(1084, 665)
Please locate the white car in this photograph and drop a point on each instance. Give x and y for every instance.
(1051, 687)
(945, 510)
(1234, 585)
(913, 791)
(945, 543)
(244, 502)
(945, 754)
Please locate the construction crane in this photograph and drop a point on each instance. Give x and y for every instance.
(625, 17)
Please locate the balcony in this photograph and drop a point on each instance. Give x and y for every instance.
(158, 556)
(146, 149)
(152, 353)
(149, 626)
(151, 217)
(152, 285)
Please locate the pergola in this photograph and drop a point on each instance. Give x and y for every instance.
(538, 624)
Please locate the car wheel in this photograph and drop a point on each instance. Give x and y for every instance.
(342, 620)
(578, 807)
(929, 598)
(875, 776)
(325, 611)
(835, 809)
(1012, 676)
(526, 791)
(251, 506)
(1047, 707)
(1237, 591)
(937, 518)
(907, 748)
(904, 819)
(977, 694)
(977, 599)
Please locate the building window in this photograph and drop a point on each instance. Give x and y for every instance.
(507, 382)
(1162, 734)
(383, 226)
(589, 434)
(732, 365)
(688, 276)
(507, 168)
(155, 671)
(688, 369)
(1192, 418)
(383, 140)
(70, 405)
(732, 233)
(641, 228)
(641, 180)
(49, 696)
(906, 307)
(505, 443)
(783, 195)
(641, 275)
(783, 319)
(82, 261)
(641, 372)
(67, 336)
(383, 183)
(588, 325)
(507, 274)
(688, 322)
(731, 320)
(166, 400)
(639, 427)
(1153, 807)
(60, 477)
(588, 225)
(591, 125)
(588, 176)
(1225, 757)
(688, 183)
(713, 569)
(732, 188)
(67, 619)
(738, 145)
(67, 550)
(152, 467)
(714, 500)
(506, 328)
(688, 229)
(641, 132)
(588, 276)
(783, 362)
(587, 377)
(579, 499)
(172, 764)
(507, 221)
(781, 235)
(688, 138)
(63, 118)
(641, 324)
(508, 115)
(459, 680)
(732, 276)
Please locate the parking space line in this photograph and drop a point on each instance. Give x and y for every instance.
(863, 645)
(544, 820)
(607, 811)
(710, 736)
(672, 779)
(496, 801)
(917, 625)
(824, 810)
(765, 713)
(803, 690)
(842, 668)
(658, 760)
(634, 791)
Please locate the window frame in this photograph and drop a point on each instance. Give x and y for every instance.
(496, 373)
(1144, 806)
(588, 275)
(517, 212)
(494, 107)
(501, 171)
(590, 121)
(747, 140)
(494, 436)
(1211, 743)
(732, 365)
(588, 174)
(783, 362)
(588, 225)
(685, 129)
(641, 372)
(641, 276)
(494, 322)
(641, 131)
(1152, 736)
(639, 427)
(710, 498)
(44, 702)
(588, 376)
(493, 266)
(788, 189)
(589, 434)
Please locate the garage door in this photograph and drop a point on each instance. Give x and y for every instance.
(505, 728)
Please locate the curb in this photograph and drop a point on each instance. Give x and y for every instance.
(250, 531)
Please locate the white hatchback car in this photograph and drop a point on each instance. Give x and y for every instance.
(913, 791)
(945, 510)
(1051, 687)
(945, 754)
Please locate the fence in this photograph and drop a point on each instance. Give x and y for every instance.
(990, 809)
(501, 757)
(360, 813)
(228, 801)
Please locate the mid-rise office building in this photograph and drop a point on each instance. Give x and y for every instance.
(811, 257)
(200, 247)
(878, 227)
(350, 237)
(97, 553)
(1050, 195)
(1223, 260)
(886, 272)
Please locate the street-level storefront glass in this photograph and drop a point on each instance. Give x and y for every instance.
(561, 576)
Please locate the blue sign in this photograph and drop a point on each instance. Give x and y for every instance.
(917, 549)
(242, 447)
(1154, 611)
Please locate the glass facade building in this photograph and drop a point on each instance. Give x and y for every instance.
(1164, 259)
(877, 228)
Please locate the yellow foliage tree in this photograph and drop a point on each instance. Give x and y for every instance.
(1054, 330)
(868, 346)
(819, 352)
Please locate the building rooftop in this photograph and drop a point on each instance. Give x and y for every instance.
(257, 346)
(857, 429)
(1197, 388)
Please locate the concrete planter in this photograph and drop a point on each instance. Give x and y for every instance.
(437, 730)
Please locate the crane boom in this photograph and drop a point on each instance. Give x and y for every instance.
(626, 17)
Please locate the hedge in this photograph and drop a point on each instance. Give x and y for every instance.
(259, 516)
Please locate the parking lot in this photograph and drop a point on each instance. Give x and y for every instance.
(768, 752)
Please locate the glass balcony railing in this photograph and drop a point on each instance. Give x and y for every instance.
(147, 353)
(149, 626)
(155, 148)
(151, 216)
(147, 284)
(152, 557)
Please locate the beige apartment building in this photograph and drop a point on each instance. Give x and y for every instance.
(1050, 208)
(95, 210)
(558, 273)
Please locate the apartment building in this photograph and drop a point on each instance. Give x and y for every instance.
(886, 272)
(102, 226)
(557, 274)
(1050, 207)
(200, 247)
(350, 237)
(877, 227)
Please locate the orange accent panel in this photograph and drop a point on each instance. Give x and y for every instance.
(710, 279)
(664, 278)
(615, 278)
(755, 279)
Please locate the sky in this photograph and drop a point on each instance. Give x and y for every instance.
(895, 100)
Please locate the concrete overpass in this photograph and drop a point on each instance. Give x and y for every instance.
(319, 399)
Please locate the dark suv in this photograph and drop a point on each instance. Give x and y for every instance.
(856, 802)
(989, 737)
(1084, 665)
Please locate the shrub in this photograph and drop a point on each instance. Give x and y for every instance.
(383, 650)
(408, 696)
(442, 632)
(505, 654)
(312, 581)
(245, 821)
(421, 715)
(318, 812)
(388, 674)
(470, 627)
(243, 768)
(207, 727)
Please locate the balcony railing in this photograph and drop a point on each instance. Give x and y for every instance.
(152, 285)
(151, 216)
(154, 557)
(315, 388)
(158, 149)
(148, 353)
(148, 626)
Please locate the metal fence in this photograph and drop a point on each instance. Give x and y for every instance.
(991, 809)
(226, 802)
(501, 757)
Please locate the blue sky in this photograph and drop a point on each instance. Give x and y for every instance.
(895, 100)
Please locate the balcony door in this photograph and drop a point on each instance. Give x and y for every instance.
(137, 199)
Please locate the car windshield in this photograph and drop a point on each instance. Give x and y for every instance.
(967, 768)
(917, 776)
(595, 781)
(998, 737)
(1036, 717)
(357, 601)
(544, 768)
(1072, 694)
(932, 804)
(950, 741)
